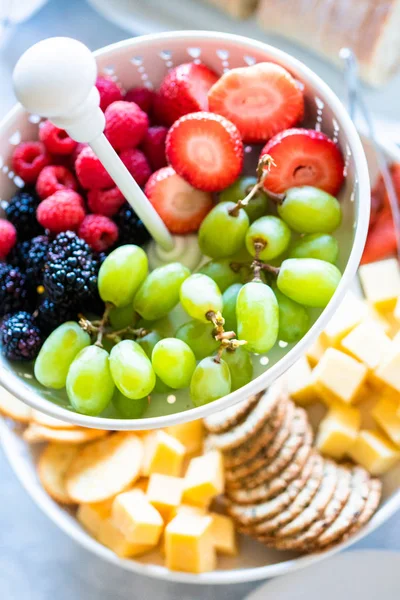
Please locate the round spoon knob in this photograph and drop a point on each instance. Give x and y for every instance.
(56, 79)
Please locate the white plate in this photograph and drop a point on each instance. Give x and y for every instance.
(255, 562)
(366, 574)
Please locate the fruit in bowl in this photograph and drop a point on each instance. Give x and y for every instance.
(94, 271)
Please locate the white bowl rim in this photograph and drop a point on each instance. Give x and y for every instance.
(62, 519)
(15, 386)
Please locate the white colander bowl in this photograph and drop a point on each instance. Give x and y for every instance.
(144, 61)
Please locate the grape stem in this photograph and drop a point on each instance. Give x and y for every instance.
(259, 246)
(270, 269)
(263, 168)
(103, 324)
(138, 333)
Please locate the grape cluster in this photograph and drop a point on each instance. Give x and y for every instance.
(264, 273)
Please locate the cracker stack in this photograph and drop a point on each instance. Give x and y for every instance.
(279, 489)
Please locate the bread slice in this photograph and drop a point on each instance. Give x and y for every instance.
(369, 27)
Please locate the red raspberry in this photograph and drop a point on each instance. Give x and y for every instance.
(126, 125)
(142, 96)
(57, 141)
(154, 147)
(137, 165)
(109, 91)
(8, 237)
(90, 172)
(79, 147)
(105, 202)
(99, 232)
(54, 178)
(62, 211)
(28, 159)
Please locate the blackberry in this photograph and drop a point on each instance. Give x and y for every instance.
(15, 292)
(71, 269)
(30, 257)
(131, 228)
(19, 255)
(48, 315)
(20, 338)
(21, 212)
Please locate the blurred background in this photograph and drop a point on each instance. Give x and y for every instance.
(37, 561)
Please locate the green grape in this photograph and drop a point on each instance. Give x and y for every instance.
(159, 293)
(316, 245)
(199, 337)
(307, 209)
(240, 366)
(58, 352)
(222, 234)
(257, 314)
(173, 362)
(199, 296)
(229, 298)
(90, 386)
(294, 320)
(257, 207)
(121, 274)
(308, 281)
(121, 316)
(148, 341)
(211, 380)
(128, 408)
(131, 370)
(221, 272)
(270, 231)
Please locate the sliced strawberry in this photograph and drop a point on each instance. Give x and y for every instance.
(183, 91)
(260, 100)
(381, 241)
(206, 150)
(379, 189)
(304, 157)
(181, 207)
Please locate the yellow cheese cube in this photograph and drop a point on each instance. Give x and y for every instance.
(338, 431)
(338, 376)
(136, 518)
(189, 544)
(162, 454)
(164, 492)
(315, 351)
(93, 515)
(374, 315)
(381, 283)
(349, 314)
(300, 386)
(204, 479)
(388, 371)
(187, 509)
(396, 312)
(141, 484)
(224, 534)
(367, 343)
(191, 435)
(96, 518)
(386, 415)
(374, 451)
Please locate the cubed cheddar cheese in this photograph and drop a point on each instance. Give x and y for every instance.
(338, 430)
(189, 544)
(396, 312)
(299, 384)
(349, 314)
(164, 492)
(96, 518)
(190, 434)
(188, 509)
(388, 371)
(224, 534)
(92, 515)
(381, 283)
(204, 479)
(315, 351)
(136, 518)
(377, 317)
(386, 415)
(162, 454)
(338, 377)
(374, 451)
(367, 343)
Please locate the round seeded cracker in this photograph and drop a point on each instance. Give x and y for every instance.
(232, 416)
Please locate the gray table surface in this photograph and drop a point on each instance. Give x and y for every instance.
(38, 561)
